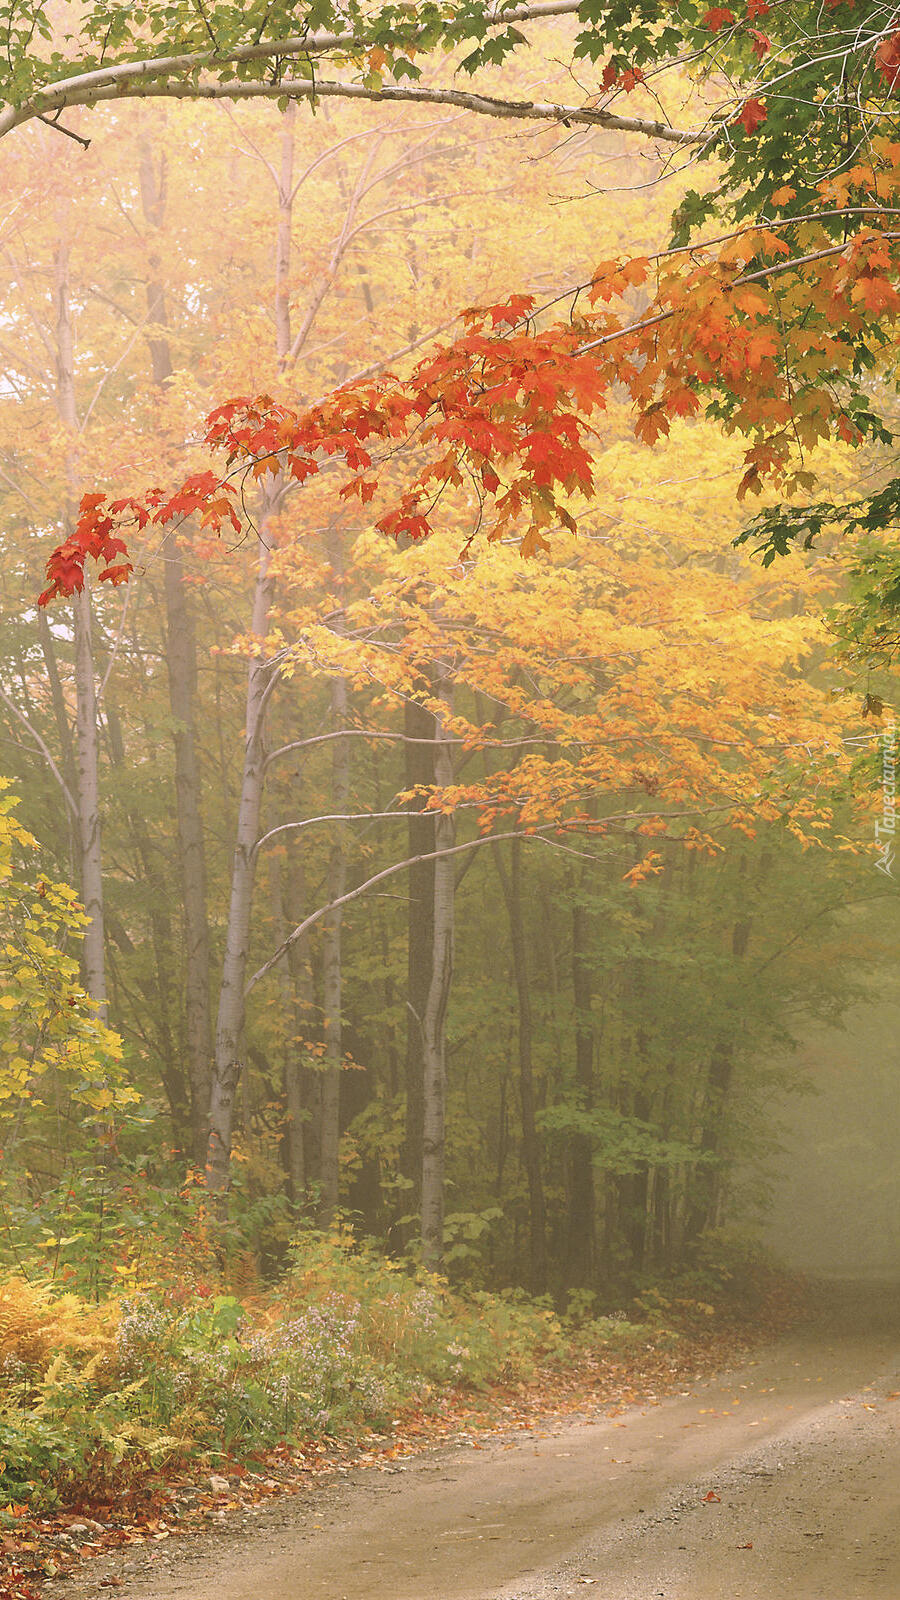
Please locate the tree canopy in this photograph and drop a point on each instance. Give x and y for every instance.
(769, 308)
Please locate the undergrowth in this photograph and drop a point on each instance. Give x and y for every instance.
(178, 1372)
(127, 1349)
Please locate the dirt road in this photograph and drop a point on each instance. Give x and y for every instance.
(780, 1481)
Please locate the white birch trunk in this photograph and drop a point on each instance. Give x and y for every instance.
(331, 963)
(295, 998)
(230, 1016)
(434, 1019)
(181, 666)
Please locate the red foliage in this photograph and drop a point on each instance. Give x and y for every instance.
(508, 408)
(751, 115)
(887, 60)
(718, 17)
(94, 536)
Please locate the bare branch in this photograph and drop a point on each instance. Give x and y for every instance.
(51, 122)
(403, 738)
(538, 835)
(346, 816)
(43, 749)
(361, 889)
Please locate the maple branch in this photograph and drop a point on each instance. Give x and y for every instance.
(744, 277)
(759, 225)
(123, 88)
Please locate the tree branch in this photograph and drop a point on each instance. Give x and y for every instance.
(83, 87)
(386, 872)
(43, 749)
(537, 835)
(401, 738)
(345, 816)
(52, 122)
(143, 86)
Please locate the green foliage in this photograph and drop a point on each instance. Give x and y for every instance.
(415, 1322)
(100, 1228)
(465, 1233)
(66, 1425)
(236, 40)
(782, 528)
(619, 1144)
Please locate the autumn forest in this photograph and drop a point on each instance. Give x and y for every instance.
(430, 820)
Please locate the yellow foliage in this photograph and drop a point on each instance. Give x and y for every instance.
(36, 1327)
(50, 1031)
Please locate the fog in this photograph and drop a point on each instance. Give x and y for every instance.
(835, 1209)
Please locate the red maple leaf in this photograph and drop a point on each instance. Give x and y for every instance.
(513, 310)
(887, 59)
(751, 115)
(717, 17)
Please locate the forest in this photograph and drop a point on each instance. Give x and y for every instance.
(450, 765)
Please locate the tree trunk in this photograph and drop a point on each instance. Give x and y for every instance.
(260, 680)
(511, 882)
(332, 975)
(707, 1186)
(88, 769)
(301, 1084)
(230, 1015)
(87, 744)
(160, 995)
(289, 906)
(181, 666)
(419, 723)
(434, 1038)
(581, 1206)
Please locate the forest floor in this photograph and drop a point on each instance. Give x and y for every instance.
(776, 1480)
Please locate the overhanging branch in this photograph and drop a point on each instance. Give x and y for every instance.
(145, 86)
(101, 83)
